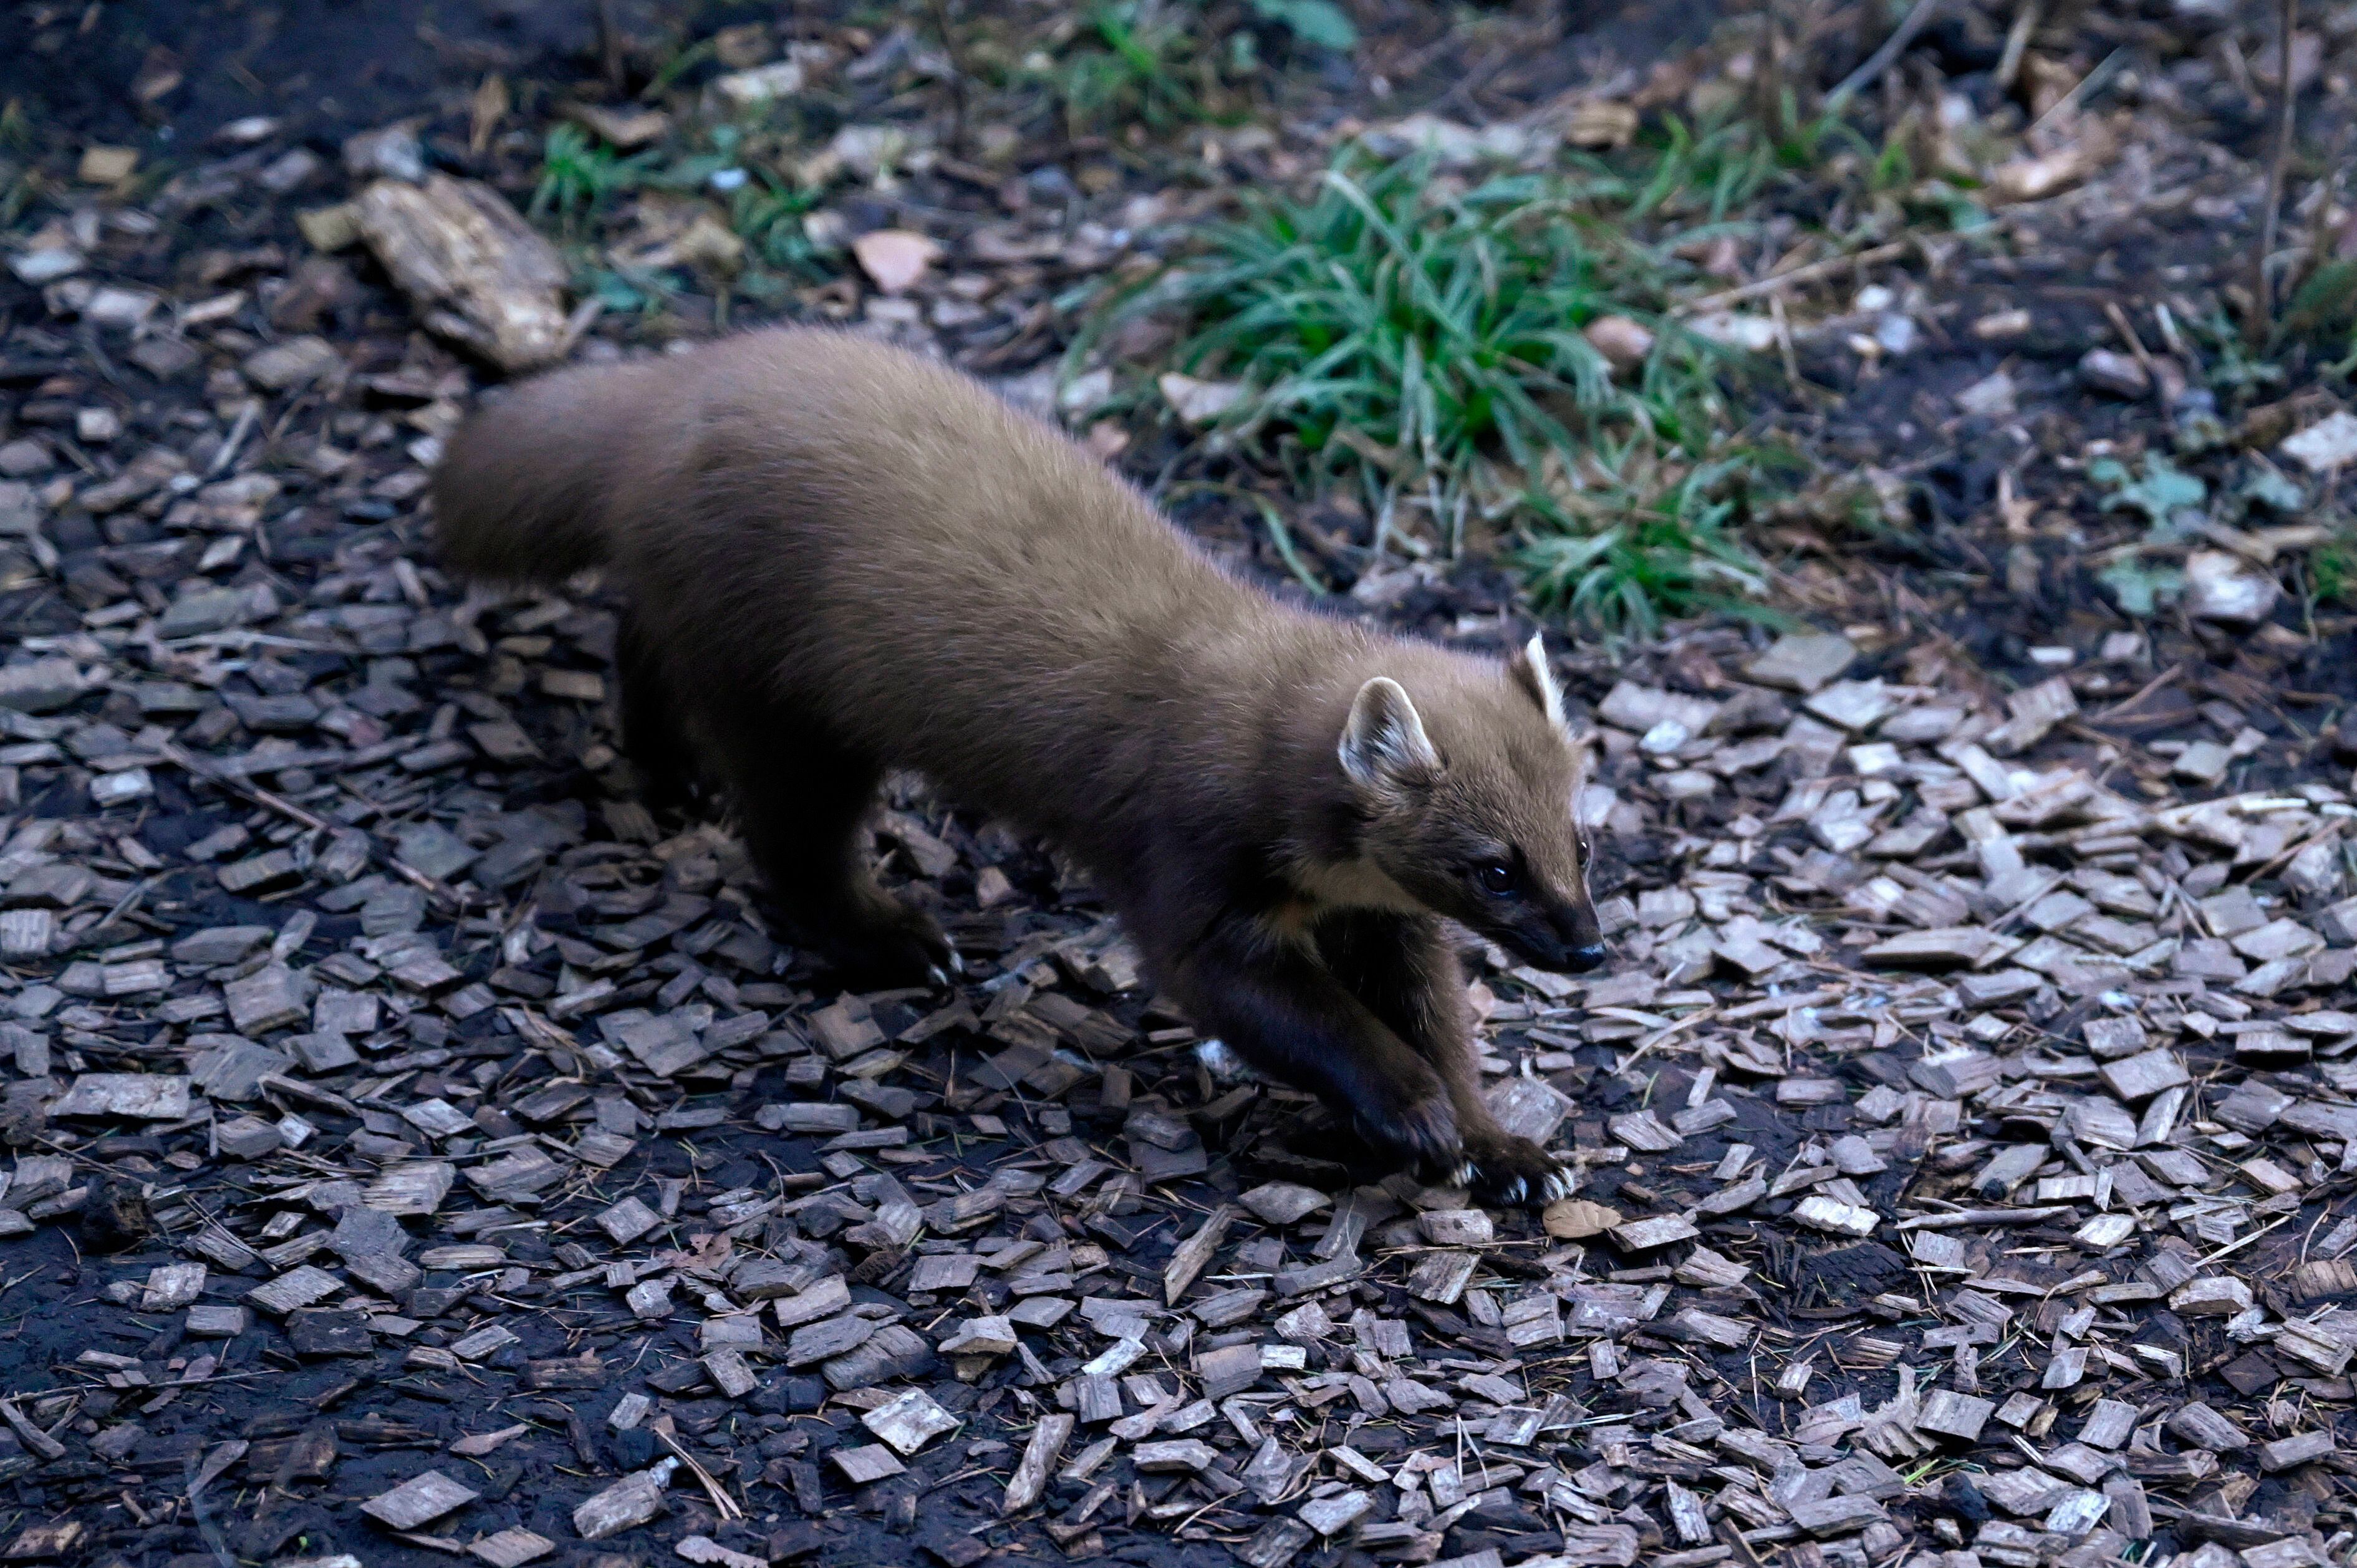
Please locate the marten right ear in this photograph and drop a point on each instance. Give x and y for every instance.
(1528, 666)
(1384, 746)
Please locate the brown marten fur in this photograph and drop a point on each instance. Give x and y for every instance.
(841, 558)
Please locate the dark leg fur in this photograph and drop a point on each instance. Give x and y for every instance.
(801, 799)
(653, 737)
(1284, 1012)
(1401, 967)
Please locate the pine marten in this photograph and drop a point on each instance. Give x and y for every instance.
(841, 558)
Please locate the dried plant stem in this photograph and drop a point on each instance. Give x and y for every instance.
(2262, 318)
(1883, 59)
(2017, 42)
(1768, 80)
(609, 43)
(945, 26)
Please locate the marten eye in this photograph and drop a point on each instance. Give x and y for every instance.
(1498, 878)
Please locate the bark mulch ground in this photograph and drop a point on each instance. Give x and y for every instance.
(421, 1150)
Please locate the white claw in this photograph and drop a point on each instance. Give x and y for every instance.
(940, 977)
(1466, 1174)
(1514, 1193)
(957, 964)
(1220, 1060)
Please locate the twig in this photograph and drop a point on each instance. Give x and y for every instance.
(1881, 59)
(248, 411)
(1768, 78)
(942, 25)
(190, 762)
(2017, 42)
(2239, 1242)
(2263, 311)
(2070, 101)
(1816, 269)
(212, 1531)
(609, 44)
(727, 1506)
(2151, 366)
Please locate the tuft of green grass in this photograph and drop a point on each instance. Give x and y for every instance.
(1420, 333)
(766, 214)
(1710, 172)
(1319, 23)
(1138, 61)
(1423, 338)
(1395, 323)
(1623, 561)
(2333, 568)
(1160, 64)
(577, 174)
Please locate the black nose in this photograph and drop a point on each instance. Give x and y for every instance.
(1586, 958)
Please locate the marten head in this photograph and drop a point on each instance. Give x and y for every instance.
(1466, 805)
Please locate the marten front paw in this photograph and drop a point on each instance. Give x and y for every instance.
(900, 946)
(1512, 1173)
(1416, 1126)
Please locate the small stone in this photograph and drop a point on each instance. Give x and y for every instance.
(895, 259)
(2328, 444)
(2112, 372)
(2223, 587)
(41, 686)
(297, 362)
(1803, 662)
(1626, 344)
(104, 165)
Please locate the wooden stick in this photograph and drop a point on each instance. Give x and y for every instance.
(943, 24)
(2263, 312)
(2151, 366)
(2017, 42)
(1883, 59)
(609, 44)
(190, 762)
(1816, 269)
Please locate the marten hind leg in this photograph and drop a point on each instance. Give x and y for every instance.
(654, 736)
(1402, 968)
(802, 800)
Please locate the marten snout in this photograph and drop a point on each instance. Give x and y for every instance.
(1561, 938)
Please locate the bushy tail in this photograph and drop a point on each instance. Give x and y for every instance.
(523, 490)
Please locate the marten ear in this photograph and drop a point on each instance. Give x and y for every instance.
(1383, 745)
(1528, 666)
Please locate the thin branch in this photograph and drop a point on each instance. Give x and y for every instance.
(2263, 311)
(2017, 42)
(946, 27)
(1867, 75)
(609, 45)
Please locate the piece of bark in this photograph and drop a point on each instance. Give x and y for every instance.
(477, 272)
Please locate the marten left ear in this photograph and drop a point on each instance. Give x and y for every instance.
(1384, 746)
(1528, 666)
